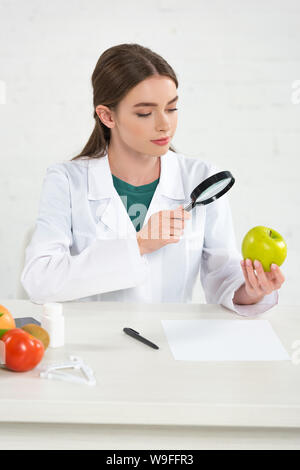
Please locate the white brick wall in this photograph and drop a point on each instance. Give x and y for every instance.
(238, 65)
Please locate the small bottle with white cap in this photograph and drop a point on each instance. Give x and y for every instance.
(52, 320)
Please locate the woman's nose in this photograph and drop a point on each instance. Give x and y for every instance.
(163, 124)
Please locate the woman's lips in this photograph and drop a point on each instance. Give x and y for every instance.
(161, 141)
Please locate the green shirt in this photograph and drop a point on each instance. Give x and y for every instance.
(136, 199)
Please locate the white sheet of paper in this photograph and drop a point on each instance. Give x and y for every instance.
(223, 340)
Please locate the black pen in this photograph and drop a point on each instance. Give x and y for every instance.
(136, 335)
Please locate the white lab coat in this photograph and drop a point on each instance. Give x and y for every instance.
(84, 245)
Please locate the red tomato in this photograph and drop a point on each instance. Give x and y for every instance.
(22, 351)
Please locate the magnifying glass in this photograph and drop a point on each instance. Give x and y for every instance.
(211, 189)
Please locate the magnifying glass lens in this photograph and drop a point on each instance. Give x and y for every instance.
(213, 190)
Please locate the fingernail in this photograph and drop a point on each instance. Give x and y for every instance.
(249, 262)
(242, 262)
(273, 266)
(256, 263)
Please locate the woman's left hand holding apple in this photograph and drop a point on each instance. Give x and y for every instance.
(263, 282)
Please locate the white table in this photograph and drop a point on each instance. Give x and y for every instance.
(144, 399)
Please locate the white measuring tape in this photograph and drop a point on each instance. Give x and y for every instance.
(50, 371)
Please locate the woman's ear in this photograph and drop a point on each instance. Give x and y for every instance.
(105, 115)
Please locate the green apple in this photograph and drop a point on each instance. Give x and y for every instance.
(266, 245)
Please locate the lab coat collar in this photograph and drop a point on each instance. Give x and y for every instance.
(100, 181)
(111, 210)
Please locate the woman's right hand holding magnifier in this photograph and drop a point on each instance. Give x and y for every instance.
(162, 228)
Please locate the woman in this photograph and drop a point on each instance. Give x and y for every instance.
(111, 223)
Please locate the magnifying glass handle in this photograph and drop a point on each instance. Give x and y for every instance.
(188, 207)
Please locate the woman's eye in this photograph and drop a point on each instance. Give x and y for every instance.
(145, 115)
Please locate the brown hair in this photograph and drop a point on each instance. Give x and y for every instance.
(118, 70)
